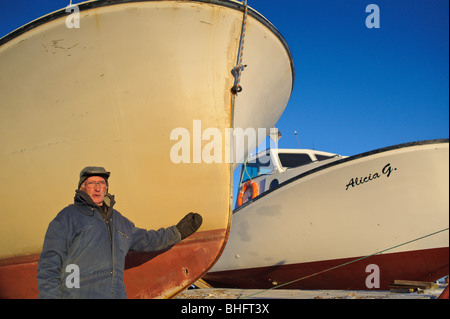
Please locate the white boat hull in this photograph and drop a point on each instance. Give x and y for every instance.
(343, 211)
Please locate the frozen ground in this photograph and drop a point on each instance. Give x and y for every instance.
(221, 293)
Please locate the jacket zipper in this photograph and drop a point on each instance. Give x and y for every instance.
(110, 241)
(110, 245)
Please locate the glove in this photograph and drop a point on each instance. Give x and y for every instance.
(189, 224)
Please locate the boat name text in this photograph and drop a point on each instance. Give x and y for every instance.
(357, 181)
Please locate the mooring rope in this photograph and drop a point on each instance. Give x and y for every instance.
(345, 264)
(239, 67)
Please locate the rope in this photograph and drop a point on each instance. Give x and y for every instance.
(347, 263)
(239, 67)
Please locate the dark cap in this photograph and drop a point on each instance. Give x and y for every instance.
(89, 171)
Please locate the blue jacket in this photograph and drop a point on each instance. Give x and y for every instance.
(82, 249)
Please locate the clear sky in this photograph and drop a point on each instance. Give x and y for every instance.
(356, 89)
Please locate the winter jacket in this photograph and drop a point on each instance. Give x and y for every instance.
(83, 249)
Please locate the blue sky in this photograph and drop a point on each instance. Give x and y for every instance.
(356, 89)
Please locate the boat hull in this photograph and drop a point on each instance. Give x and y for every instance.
(116, 92)
(342, 212)
(147, 275)
(423, 265)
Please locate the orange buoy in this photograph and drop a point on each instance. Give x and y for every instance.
(247, 185)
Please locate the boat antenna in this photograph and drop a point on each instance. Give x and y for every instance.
(275, 136)
(295, 132)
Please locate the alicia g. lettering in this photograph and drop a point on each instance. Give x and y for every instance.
(386, 171)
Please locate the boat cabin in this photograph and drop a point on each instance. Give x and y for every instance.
(271, 167)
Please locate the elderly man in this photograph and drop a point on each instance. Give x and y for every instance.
(94, 237)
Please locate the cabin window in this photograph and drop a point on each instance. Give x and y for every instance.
(323, 157)
(294, 160)
(262, 165)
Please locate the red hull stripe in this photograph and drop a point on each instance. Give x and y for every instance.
(420, 265)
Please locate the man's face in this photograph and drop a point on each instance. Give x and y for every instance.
(95, 187)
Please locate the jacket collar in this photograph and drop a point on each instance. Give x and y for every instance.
(83, 199)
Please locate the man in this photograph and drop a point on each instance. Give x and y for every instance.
(95, 238)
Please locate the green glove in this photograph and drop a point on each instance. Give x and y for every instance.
(189, 224)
